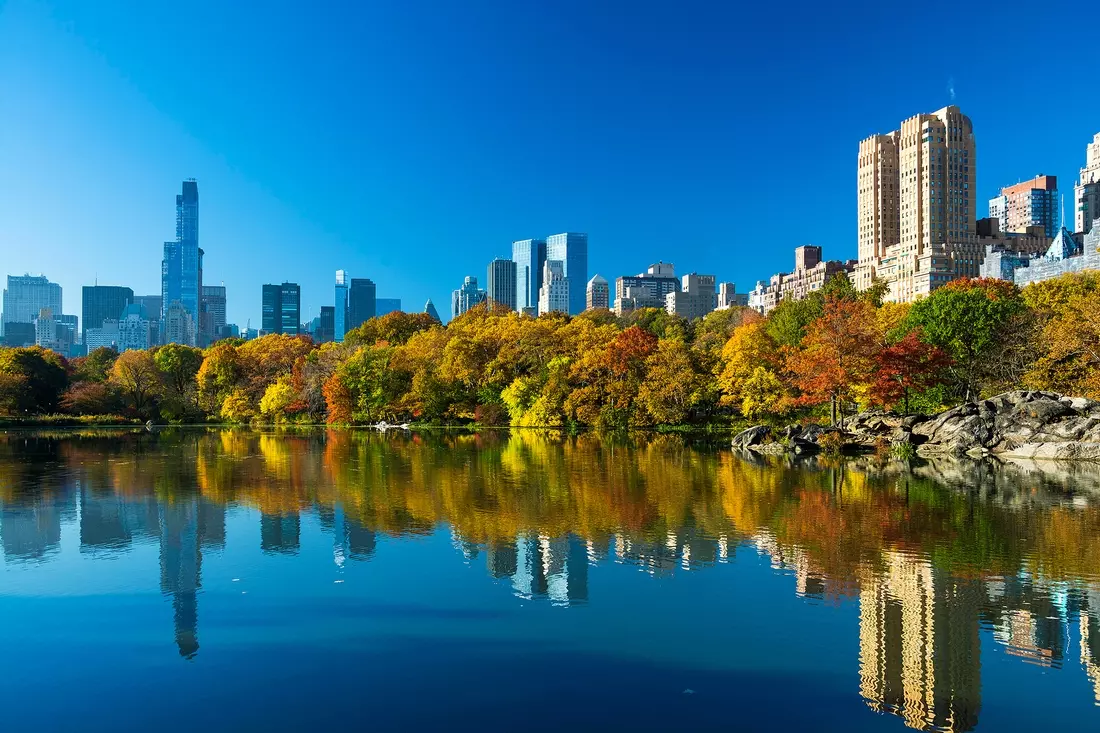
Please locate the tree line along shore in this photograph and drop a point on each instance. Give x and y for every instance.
(817, 359)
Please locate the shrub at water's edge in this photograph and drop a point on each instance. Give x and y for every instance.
(821, 359)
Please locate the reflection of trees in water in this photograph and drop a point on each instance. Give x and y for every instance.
(928, 562)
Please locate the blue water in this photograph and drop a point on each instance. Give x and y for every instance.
(201, 580)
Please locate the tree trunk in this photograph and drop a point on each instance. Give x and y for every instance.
(832, 402)
(906, 393)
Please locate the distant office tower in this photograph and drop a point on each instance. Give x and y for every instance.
(212, 313)
(1087, 191)
(529, 256)
(340, 307)
(554, 295)
(103, 303)
(178, 327)
(154, 307)
(466, 297)
(325, 325)
(598, 294)
(282, 309)
(181, 269)
(917, 192)
(24, 299)
(1028, 204)
(429, 308)
(501, 285)
(728, 297)
(362, 302)
(71, 326)
(45, 330)
(382, 306)
(571, 249)
(646, 289)
(694, 300)
(135, 329)
(107, 334)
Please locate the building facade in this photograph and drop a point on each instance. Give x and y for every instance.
(571, 249)
(429, 308)
(362, 302)
(282, 309)
(466, 297)
(728, 297)
(694, 300)
(340, 307)
(101, 303)
(326, 325)
(501, 284)
(1029, 204)
(177, 326)
(24, 298)
(554, 294)
(1067, 253)
(181, 268)
(382, 306)
(597, 294)
(810, 274)
(529, 256)
(45, 330)
(135, 329)
(923, 176)
(1086, 194)
(647, 289)
(211, 313)
(106, 336)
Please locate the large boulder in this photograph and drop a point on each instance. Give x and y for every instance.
(749, 437)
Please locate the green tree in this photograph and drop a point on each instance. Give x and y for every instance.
(179, 367)
(95, 367)
(37, 378)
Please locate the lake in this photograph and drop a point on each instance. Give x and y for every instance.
(215, 579)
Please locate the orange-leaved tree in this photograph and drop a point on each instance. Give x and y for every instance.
(907, 366)
(837, 354)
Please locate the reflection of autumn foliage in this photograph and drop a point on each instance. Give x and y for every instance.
(491, 487)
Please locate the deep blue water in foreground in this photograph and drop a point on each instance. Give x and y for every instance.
(224, 580)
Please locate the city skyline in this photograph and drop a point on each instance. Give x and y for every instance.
(661, 181)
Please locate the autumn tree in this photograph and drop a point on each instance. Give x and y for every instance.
(136, 376)
(837, 354)
(910, 365)
(750, 371)
(393, 328)
(36, 378)
(91, 398)
(178, 366)
(969, 319)
(221, 373)
(95, 367)
(674, 387)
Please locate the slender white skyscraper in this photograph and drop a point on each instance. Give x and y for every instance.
(554, 294)
(571, 249)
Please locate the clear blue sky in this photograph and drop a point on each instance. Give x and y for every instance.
(411, 142)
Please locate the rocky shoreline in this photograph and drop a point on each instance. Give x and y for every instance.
(1019, 425)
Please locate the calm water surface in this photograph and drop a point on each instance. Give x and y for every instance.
(232, 580)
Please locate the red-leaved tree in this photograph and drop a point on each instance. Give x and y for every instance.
(907, 366)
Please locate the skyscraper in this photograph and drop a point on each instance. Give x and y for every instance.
(598, 294)
(554, 294)
(24, 298)
(466, 297)
(501, 285)
(181, 269)
(282, 309)
(325, 327)
(212, 313)
(1087, 191)
(917, 191)
(572, 250)
(1028, 204)
(529, 256)
(362, 305)
(429, 308)
(101, 303)
(340, 307)
(382, 306)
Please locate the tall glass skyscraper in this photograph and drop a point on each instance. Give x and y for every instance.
(282, 309)
(501, 286)
(103, 303)
(181, 269)
(25, 296)
(361, 302)
(529, 256)
(572, 249)
(340, 306)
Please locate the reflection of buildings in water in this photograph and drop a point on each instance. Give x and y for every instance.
(1030, 617)
(1090, 640)
(280, 533)
(33, 530)
(919, 647)
(110, 522)
(187, 526)
(555, 568)
(351, 540)
(685, 549)
(502, 559)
